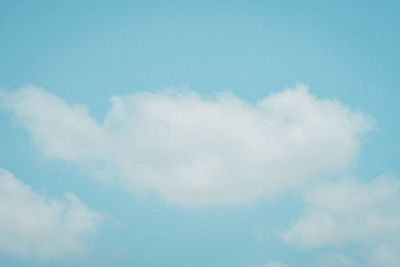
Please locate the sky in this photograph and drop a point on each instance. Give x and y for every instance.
(199, 133)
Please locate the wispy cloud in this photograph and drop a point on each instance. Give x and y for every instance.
(33, 226)
(195, 151)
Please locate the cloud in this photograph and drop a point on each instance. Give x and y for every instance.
(33, 226)
(196, 151)
(352, 213)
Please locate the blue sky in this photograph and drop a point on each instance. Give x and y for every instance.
(229, 133)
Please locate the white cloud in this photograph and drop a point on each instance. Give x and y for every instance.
(351, 213)
(33, 226)
(195, 151)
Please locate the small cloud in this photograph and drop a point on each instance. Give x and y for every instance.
(37, 227)
(350, 212)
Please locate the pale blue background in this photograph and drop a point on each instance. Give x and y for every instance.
(87, 51)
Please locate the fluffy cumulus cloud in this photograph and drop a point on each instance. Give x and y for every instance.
(36, 227)
(361, 215)
(196, 151)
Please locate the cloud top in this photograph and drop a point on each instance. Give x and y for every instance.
(196, 151)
